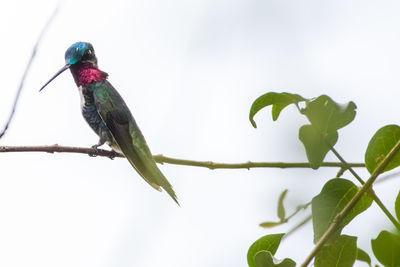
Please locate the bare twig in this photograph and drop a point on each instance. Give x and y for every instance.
(28, 66)
(60, 149)
(341, 215)
(163, 159)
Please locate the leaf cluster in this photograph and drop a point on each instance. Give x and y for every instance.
(340, 200)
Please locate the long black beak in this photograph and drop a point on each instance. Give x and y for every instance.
(58, 73)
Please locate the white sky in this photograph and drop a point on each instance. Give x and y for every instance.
(189, 71)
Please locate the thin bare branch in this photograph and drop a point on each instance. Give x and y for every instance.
(247, 165)
(163, 159)
(28, 66)
(61, 149)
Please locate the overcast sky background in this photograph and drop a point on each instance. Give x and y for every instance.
(189, 71)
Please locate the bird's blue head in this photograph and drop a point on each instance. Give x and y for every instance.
(80, 52)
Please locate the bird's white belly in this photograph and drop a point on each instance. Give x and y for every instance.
(82, 97)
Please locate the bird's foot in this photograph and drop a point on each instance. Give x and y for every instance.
(95, 147)
(113, 154)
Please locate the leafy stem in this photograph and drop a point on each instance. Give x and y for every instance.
(374, 196)
(341, 215)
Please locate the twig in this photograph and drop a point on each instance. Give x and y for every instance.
(299, 208)
(285, 220)
(60, 149)
(340, 216)
(374, 196)
(247, 165)
(163, 159)
(341, 172)
(298, 226)
(28, 66)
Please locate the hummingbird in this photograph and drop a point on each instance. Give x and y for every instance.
(107, 114)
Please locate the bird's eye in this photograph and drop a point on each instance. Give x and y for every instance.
(87, 55)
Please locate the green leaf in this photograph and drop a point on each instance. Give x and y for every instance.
(269, 224)
(281, 208)
(328, 116)
(266, 259)
(278, 101)
(363, 256)
(397, 206)
(334, 196)
(386, 248)
(341, 252)
(380, 145)
(269, 243)
(315, 145)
